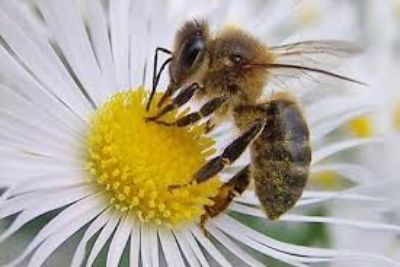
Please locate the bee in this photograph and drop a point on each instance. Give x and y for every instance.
(229, 71)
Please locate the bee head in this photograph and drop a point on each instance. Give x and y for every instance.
(189, 52)
(237, 56)
(188, 64)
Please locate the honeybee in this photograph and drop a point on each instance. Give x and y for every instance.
(229, 70)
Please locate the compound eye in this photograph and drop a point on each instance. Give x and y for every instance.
(191, 52)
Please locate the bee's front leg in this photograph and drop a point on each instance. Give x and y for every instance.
(191, 118)
(182, 98)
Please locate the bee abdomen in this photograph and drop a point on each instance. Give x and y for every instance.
(279, 185)
(281, 157)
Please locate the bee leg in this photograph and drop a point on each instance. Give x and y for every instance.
(156, 76)
(231, 153)
(232, 188)
(209, 126)
(182, 98)
(191, 118)
(228, 156)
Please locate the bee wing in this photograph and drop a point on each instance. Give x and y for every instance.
(320, 54)
(310, 61)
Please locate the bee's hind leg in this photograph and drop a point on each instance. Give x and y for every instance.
(234, 187)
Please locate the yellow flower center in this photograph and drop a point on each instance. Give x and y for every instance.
(136, 162)
(361, 127)
(308, 14)
(396, 9)
(326, 180)
(397, 118)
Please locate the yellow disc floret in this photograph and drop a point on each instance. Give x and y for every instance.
(361, 127)
(136, 162)
(397, 118)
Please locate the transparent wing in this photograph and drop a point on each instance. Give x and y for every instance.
(302, 66)
(320, 54)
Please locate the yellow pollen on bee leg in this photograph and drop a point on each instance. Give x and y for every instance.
(135, 162)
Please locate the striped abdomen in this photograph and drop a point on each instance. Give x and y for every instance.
(281, 157)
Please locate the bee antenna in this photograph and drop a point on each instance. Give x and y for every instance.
(321, 71)
(196, 21)
(156, 76)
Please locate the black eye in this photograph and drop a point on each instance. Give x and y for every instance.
(191, 51)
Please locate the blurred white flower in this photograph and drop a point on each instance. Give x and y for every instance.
(379, 68)
(65, 72)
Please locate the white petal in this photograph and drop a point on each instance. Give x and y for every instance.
(231, 246)
(23, 109)
(21, 202)
(101, 44)
(16, 204)
(149, 246)
(119, 240)
(320, 130)
(119, 27)
(186, 249)
(172, 254)
(158, 23)
(22, 165)
(135, 245)
(69, 31)
(294, 252)
(332, 149)
(311, 197)
(234, 226)
(35, 204)
(316, 219)
(138, 43)
(329, 108)
(216, 16)
(360, 259)
(37, 55)
(63, 219)
(58, 180)
(55, 240)
(345, 195)
(318, 194)
(101, 240)
(93, 228)
(340, 221)
(16, 77)
(242, 238)
(22, 135)
(355, 173)
(195, 247)
(23, 11)
(280, 15)
(209, 246)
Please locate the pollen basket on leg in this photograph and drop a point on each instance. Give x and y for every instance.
(136, 162)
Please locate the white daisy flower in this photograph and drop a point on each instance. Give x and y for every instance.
(74, 146)
(380, 68)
